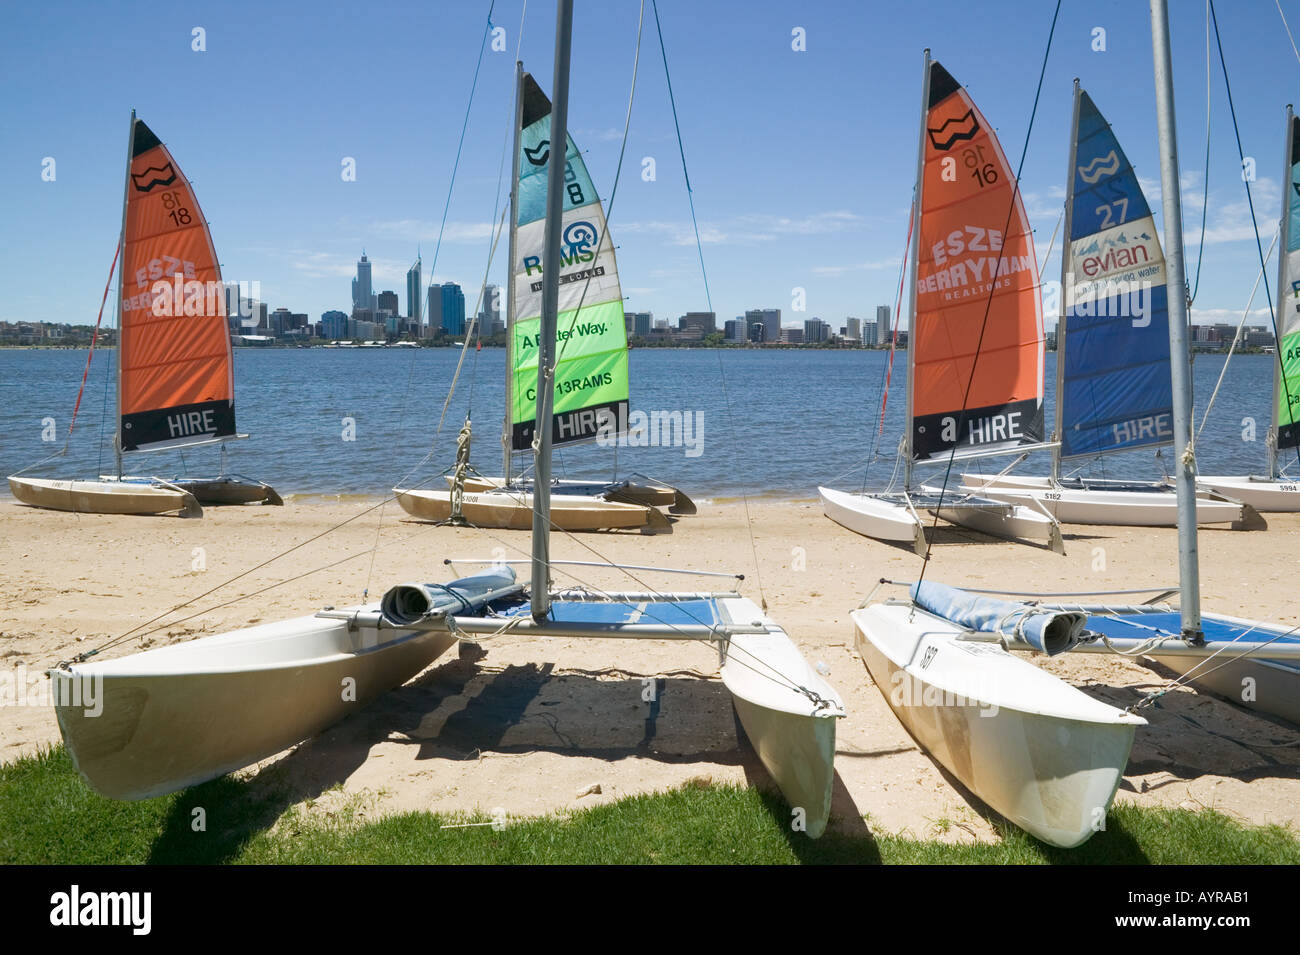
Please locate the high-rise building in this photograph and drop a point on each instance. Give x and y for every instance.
(882, 324)
(388, 300)
(736, 329)
(770, 319)
(815, 331)
(453, 308)
(362, 293)
(756, 330)
(334, 325)
(853, 328)
(433, 311)
(279, 322)
(413, 292)
(639, 324)
(705, 322)
(489, 313)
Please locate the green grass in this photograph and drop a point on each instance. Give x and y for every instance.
(47, 815)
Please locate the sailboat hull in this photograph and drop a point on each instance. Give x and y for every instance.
(1151, 505)
(625, 492)
(514, 511)
(790, 721)
(103, 497)
(180, 715)
(874, 517)
(219, 490)
(1262, 494)
(1035, 749)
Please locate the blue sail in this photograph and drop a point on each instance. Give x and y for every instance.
(1116, 389)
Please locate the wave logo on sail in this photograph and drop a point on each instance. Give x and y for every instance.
(539, 153)
(954, 131)
(579, 237)
(153, 176)
(1106, 165)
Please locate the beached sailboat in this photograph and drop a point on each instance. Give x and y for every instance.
(157, 721)
(1112, 350)
(1038, 751)
(175, 378)
(975, 348)
(591, 398)
(1274, 491)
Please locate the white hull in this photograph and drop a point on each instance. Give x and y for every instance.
(1260, 493)
(104, 497)
(1035, 749)
(892, 520)
(873, 517)
(1025, 522)
(514, 510)
(1157, 507)
(627, 492)
(793, 735)
(180, 715)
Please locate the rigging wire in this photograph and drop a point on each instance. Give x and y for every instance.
(1254, 223)
(433, 265)
(726, 397)
(1288, 29)
(1205, 195)
(988, 305)
(1245, 313)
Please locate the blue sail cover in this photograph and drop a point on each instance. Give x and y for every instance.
(1117, 392)
(1048, 631)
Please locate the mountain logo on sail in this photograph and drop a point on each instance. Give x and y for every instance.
(954, 131)
(1106, 165)
(539, 153)
(153, 176)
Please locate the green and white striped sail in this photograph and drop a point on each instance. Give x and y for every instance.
(591, 375)
(1288, 386)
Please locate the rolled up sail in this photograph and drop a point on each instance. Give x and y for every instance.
(591, 373)
(1047, 630)
(176, 377)
(1113, 337)
(1288, 384)
(976, 339)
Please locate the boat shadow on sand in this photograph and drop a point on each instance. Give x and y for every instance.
(464, 709)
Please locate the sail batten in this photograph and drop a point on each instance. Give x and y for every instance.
(591, 373)
(176, 383)
(1116, 390)
(976, 337)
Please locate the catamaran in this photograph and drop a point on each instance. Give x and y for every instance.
(175, 375)
(1275, 491)
(157, 721)
(1112, 350)
(974, 290)
(591, 400)
(1035, 749)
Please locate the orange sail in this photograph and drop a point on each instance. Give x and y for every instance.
(176, 382)
(975, 271)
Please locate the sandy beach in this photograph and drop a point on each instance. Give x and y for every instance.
(531, 726)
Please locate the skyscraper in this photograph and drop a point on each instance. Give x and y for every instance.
(815, 331)
(489, 313)
(453, 308)
(433, 311)
(882, 324)
(853, 328)
(388, 300)
(362, 293)
(333, 325)
(770, 319)
(413, 294)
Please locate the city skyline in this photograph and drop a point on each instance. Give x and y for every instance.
(819, 203)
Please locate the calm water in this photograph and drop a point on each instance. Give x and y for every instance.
(797, 418)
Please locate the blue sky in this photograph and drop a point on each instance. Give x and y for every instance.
(801, 162)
